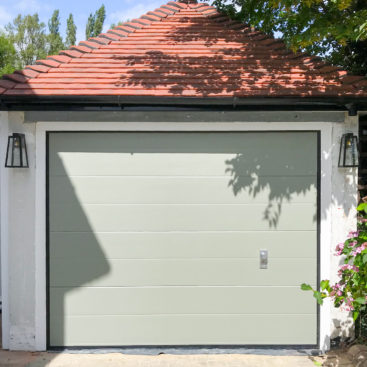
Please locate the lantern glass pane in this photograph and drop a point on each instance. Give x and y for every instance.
(16, 155)
(348, 151)
(24, 156)
(342, 152)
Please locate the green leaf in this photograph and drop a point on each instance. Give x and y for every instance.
(318, 297)
(355, 315)
(324, 284)
(306, 287)
(361, 300)
(361, 207)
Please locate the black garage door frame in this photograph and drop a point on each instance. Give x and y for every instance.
(188, 349)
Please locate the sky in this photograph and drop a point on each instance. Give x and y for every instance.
(116, 10)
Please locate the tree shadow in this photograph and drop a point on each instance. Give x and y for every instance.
(247, 172)
(206, 58)
(75, 255)
(277, 170)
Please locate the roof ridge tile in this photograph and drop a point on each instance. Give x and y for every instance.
(60, 58)
(118, 32)
(157, 14)
(170, 7)
(142, 21)
(123, 28)
(39, 68)
(48, 63)
(160, 10)
(99, 40)
(29, 73)
(109, 36)
(197, 6)
(177, 4)
(151, 17)
(81, 48)
(90, 44)
(71, 53)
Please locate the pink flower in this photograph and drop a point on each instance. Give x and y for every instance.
(339, 249)
(353, 234)
(359, 250)
(347, 267)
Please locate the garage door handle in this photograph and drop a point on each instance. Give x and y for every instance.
(263, 259)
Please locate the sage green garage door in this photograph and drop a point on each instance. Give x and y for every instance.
(155, 238)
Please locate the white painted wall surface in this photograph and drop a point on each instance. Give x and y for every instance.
(343, 216)
(4, 231)
(23, 207)
(18, 255)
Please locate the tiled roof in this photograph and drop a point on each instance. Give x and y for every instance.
(182, 49)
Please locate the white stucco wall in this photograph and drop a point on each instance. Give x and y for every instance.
(343, 216)
(23, 311)
(18, 254)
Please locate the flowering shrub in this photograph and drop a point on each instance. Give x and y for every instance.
(350, 292)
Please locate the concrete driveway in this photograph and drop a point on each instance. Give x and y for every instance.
(21, 359)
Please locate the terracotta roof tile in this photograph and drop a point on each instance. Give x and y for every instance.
(39, 68)
(99, 40)
(48, 62)
(182, 49)
(71, 53)
(91, 44)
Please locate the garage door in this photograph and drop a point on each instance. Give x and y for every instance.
(155, 238)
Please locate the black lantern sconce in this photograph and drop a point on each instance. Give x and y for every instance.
(348, 155)
(16, 153)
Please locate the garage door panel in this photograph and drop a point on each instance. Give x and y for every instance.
(194, 330)
(179, 300)
(179, 272)
(154, 238)
(180, 190)
(183, 154)
(178, 164)
(182, 142)
(162, 218)
(281, 244)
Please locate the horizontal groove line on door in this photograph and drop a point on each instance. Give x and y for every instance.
(193, 204)
(182, 232)
(180, 176)
(186, 258)
(177, 286)
(195, 314)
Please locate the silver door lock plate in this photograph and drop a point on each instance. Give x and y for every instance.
(263, 259)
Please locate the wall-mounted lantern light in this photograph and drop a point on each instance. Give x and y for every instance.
(348, 155)
(16, 153)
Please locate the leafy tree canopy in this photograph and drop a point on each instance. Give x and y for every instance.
(100, 18)
(333, 29)
(70, 32)
(54, 38)
(7, 55)
(95, 23)
(28, 36)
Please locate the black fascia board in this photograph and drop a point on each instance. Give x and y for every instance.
(26, 103)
